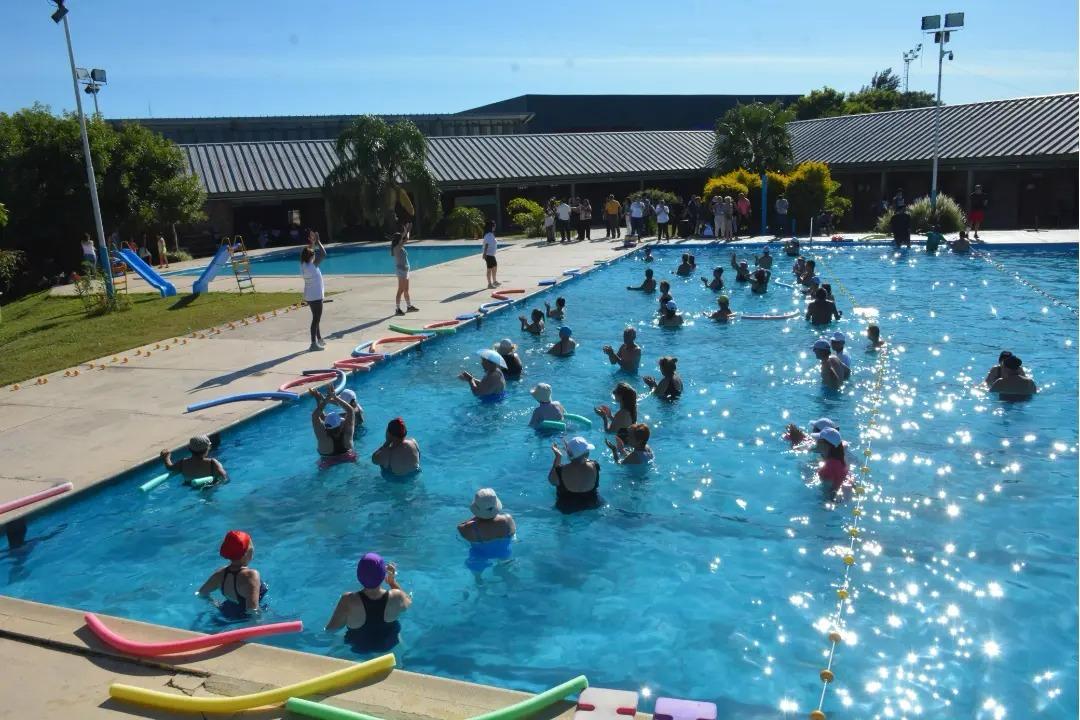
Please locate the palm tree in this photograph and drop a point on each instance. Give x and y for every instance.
(379, 165)
(754, 137)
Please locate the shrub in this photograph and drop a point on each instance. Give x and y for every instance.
(728, 184)
(808, 189)
(466, 222)
(527, 215)
(10, 262)
(178, 255)
(948, 215)
(90, 289)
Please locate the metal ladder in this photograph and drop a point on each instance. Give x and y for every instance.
(118, 268)
(241, 263)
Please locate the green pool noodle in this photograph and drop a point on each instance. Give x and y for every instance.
(151, 484)
(523, 709)
(552, 425)
(578, 419)
(202, 482)
(421, 331)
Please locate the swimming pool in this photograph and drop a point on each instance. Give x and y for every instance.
(709, 576)
(352, 260)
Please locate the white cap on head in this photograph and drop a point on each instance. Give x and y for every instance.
(348, 396)
(831, 436)
(492, 357)
(578, 446)
(486, 504)
(839, 337)
(542, 392)
(822, 345)
(505, 346)
(333, 420)
(822, 423)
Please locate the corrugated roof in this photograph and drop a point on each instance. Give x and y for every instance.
(1022, 127)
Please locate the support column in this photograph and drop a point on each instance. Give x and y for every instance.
(498, 209)
(329, 219)
(970, 187)
(573, 189)
(884, 185)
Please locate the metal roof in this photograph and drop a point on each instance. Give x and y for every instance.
(1023, 127)
(261, 167)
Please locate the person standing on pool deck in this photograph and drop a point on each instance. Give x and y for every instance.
(647, 285)
(493, 383)
(311, 258)
(548, 409)
(566, 345)
(488, 522)
(781, 207)
(89, 252)
(577, 483)
(833, 371)
(976, 210)
(398, 455)
(1013, 384)
(670, 385)
(488, 250)
(562, 221)
(628, 357)
(199, 464)
(241, 585)
(333, 430)
(162, 252)
(401, 269)
(371, 614)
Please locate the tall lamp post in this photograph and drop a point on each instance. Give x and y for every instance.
(931, 24)
(60, 16)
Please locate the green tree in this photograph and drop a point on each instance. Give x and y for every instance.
(754, 137)
(377, 162)
(825, 102)
(885, 80)
(3, 215)
(527, 215)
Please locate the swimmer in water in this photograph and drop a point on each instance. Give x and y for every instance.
(548, 409)
(493, 382)
(742, 269)
(799, 267)
(350, 397)
(488, 522)
(833, 372)
(636, 451)
(399, 454)
(665, 295)
(536, 326)
(791, 247)
(724, 313)
(199, 465)
(961, 244)
(566, 345)
(647, 257)
(577, 483)
(685, 267)
(559, 311)
(873, 334)
(670, 385)
(764, 260)
(333, 430)
(371, 613)
(626, 415)
(628, 357)
(508, 350)
(671, 317)
(809, 272)
(759, 280)
(647, 285)
(240, 584)
(995, 373)
(1013, 384)
(820, 311)
(717, 282)
(795, 435)
(812, 287)
(833, 472)
(837, 343)
(828, 292)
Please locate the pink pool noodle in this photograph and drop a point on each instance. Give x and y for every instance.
(144, 649)
(36, 497)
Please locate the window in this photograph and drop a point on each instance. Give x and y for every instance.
(294, 218)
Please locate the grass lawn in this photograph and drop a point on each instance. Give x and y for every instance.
(41, 334)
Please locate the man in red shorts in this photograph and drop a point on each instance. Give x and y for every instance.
(976, 209)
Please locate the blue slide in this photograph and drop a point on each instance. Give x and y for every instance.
(203, 283)
(147, 273)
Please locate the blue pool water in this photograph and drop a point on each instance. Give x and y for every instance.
(713, 574)
(354, 260)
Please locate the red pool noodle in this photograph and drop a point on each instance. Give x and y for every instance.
(144, 649)
(305, 380)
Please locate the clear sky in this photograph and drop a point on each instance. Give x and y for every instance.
(229, 57)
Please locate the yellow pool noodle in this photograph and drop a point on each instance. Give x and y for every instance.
(186, 703)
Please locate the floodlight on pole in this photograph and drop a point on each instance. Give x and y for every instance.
(909, 57)
(60, 16)
(93, 80)
(931, 24)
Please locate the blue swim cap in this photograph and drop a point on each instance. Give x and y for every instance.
(565, 332)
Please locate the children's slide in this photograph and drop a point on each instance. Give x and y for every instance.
(203, 283)
(147, 273)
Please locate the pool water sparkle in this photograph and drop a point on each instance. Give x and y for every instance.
(711, 575)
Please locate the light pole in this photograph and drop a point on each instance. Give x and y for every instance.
(93, 80)
(932, 24)
(60, 16)
(909, 57)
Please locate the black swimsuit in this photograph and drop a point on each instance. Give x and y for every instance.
(568, 501)
(375, 635)
(237, 609)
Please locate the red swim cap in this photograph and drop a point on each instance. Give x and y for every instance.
(396, 427)
(235, 544)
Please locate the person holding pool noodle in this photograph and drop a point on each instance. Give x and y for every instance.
(199, 465)
(334, 430)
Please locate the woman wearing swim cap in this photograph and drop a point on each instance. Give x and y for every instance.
(241, 585)
(628, 357)
(371, 614)
(670, 385)
(398, 455)
(199, 465)
(333, 430)
(577, 483)
(566, 345)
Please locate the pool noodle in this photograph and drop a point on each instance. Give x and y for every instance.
(525, 708)
(241, 397)
(173, 647)
(572, 271)
(489, 306)
(546, 283)
(151, 484)
(409, 330)
(785, 316)
(186, 703)
(467, 316)
(552, 425)
(578, 419)
(35, 497)
(202, 481)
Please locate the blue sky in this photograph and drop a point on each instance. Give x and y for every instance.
(221, 57)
